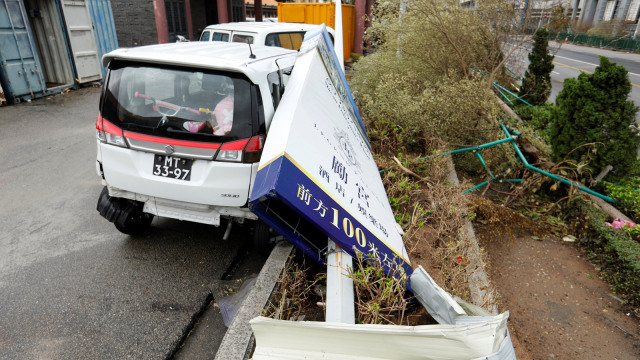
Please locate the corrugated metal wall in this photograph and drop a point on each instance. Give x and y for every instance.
(50, 40)
(105, 29)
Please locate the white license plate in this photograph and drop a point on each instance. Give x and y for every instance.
(172, 167)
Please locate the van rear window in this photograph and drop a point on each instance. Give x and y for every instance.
(289, 40)
(217, 36)
(179, 103)
(243, 38)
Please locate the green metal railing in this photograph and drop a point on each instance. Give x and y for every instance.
(513, 74)
(506, 94)
(511, 136)
(626, 43)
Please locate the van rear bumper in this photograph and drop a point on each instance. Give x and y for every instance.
(200, 213)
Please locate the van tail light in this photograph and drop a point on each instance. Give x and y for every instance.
(245, 150)
(108, 133)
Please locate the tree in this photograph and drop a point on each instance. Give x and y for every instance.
(594, 109)
(536, 84)
(559, 18)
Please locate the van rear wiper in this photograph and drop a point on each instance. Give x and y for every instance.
(163, 122)
(157, 104)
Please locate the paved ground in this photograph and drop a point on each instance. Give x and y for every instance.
(559, 308)
(71, 285)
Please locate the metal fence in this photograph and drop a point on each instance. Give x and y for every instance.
(625, 43)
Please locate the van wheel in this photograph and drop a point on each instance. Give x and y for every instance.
(136, 223)
(262, 238)
(131, 220)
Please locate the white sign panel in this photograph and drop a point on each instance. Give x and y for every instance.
(317, 177)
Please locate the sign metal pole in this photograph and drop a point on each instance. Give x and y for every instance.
(340, 298)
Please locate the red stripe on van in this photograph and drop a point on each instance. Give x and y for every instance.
(159, 140)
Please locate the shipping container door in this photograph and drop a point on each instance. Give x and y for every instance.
(104, 27)
(82, 39)
(20, 72)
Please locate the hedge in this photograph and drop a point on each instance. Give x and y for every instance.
(615, 251)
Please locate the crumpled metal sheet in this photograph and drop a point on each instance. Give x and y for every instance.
(279, 339)
(440, 305)
(458, 336)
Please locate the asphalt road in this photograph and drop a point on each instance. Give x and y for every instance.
(571, 60)
(71, 285)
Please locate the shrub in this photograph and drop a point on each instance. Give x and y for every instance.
(437, 39)
(536, 84)
(379, 299)
(538, 117)
(609, 29)
(594, 109)
(419, 78)
(627, 194)
(614, 250)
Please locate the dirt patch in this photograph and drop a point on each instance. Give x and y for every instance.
(558, 306)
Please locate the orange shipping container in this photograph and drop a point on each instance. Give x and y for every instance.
(321, 13)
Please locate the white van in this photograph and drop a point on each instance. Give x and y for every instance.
(181, 130)
(286, 35)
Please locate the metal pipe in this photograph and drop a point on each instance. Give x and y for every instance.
(555, 177)
(476, 187)
(227, 232)
(479, 147)
(484, 164)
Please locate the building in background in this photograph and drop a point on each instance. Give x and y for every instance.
(145, 22)
(596, 11)
(583, 13)
(47, 46)
(269, 9)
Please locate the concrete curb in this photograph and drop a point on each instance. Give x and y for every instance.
(479, 286)
(237, 343)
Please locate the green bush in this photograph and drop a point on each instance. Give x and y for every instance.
(453, 111)
(538, 117)
(627, 194)
(616, 251)
(594, 109)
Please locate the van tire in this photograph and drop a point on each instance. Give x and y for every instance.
(262, 238)
(125, 214)
(136, 223)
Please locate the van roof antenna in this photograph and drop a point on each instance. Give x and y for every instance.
(252, 56)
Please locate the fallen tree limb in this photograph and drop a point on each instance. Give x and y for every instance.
(410, 172)
(607, 207)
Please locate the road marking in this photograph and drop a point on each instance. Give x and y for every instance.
(583, 62)
(573, 67)
(585, 71)
(557, 73)
(594, 65)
